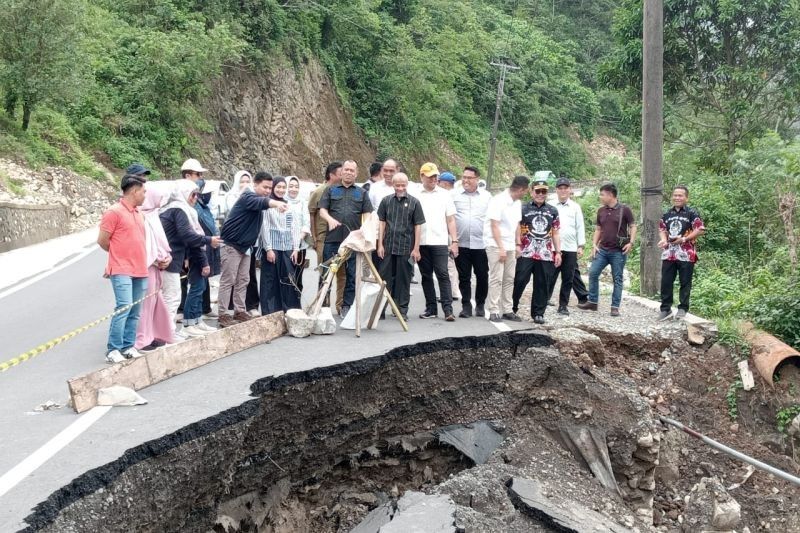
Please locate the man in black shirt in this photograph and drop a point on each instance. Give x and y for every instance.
(342, 207)
(398, 240)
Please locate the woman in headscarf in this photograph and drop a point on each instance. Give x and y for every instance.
(280, 241)
(155, 323)
(242, 181)
(188, 242)
(300, 208)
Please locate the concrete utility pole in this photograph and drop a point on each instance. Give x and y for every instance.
(504, 68)
(652, 143)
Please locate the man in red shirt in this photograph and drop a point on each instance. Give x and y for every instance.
(122, 235)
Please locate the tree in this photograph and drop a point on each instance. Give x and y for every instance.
(730, 67)
(39, 44)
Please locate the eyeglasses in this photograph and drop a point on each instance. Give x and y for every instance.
(539, 191)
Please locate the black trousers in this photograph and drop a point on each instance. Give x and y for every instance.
(467, 262)
(278, 291)
(396, 271)
(434, 261)
(543, 272)
(299, 268)
(570, 280)
(684, 270)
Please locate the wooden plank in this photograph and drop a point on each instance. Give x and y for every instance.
(359, 275)
(169, 361)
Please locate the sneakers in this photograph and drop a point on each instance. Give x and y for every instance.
(179, 318)
(211, 314)
(226, 321)
(664, 315)
(114, 356)
(681, 314)
(479, 311)
(512, 317)
(254, 312)
(241, 316)
(193, 331)
(450, 317)
(615, 311)
(429, 314)
(205, 327)
(495, 317)
(179, 336)
(132, 353)
(538, 319)
(562, 310)
(588, 306)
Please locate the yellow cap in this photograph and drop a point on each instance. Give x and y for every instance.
(428, 170)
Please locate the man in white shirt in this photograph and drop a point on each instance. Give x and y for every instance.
(471, 204)
(502, 239)
(573, 239)
(439, 227)
(380, 189)
(446, 181)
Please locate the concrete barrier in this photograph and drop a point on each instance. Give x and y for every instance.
(169, 361)
(23, 225)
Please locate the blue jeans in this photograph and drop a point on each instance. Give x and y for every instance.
(604, 258)
(122, 332)
(330, 249)
(193, 307)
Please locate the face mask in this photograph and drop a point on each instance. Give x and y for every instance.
(201, 183)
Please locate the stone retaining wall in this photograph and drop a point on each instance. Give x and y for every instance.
(22, 225)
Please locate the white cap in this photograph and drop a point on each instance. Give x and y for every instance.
(193, 165)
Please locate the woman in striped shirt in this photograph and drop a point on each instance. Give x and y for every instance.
(279, 243)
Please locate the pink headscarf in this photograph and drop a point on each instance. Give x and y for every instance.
(156, 243)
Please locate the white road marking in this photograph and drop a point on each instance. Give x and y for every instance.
(28, 465)
(42, 275)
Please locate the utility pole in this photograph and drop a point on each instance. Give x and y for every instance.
(652, 143)
(504, 68)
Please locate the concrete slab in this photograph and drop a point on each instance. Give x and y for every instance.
(176, 359)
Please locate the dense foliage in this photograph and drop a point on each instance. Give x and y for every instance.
(131, 74)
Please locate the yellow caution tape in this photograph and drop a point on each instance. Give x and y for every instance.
(30, 354)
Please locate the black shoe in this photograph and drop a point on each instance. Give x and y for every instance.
(551, 303)
(563, 310)
(512, 317)
(539, 319)
(495, 317)
(450, 317)
(664, 315)
(681, 314)
(456, 298)
(479, 311)
(383, 316)
(405, 318)
(429, 314)
(465, 313)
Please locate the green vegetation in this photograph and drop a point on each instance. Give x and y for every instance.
(785, 417)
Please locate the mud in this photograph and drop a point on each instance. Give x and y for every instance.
(318, 450)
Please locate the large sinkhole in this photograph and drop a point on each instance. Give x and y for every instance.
(497, 433)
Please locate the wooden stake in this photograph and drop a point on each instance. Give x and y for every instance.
(359, 267)
(397, 312)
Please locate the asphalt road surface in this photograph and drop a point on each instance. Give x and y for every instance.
(77, 294)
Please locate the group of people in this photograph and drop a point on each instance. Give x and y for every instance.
(454, 230)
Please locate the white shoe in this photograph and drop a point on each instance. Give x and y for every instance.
(180, 336)
(255, 312)
(205, 327)
(212, 314)
(132, 353)
(179, 318)
(114, 356)
(193, 331)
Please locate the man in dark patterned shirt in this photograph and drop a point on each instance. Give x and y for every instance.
(401, 219)
(541, 251)
(679, 228)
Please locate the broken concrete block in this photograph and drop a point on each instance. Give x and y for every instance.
(422, 513)
(298, 323)
(575, 342)
(119, 396)
(376, 519)
(324, 324)
(710, 507)
(694, 335)
(477, 441)
(528, 497)
(748, 381)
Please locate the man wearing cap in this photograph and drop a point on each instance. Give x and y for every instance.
(471, 204)
(342, 207)
(192, 170)
(447, 181)
(502, 239)
(122, 235)
(137, 169)
(573, 238)
(540, 251)
(440, 226)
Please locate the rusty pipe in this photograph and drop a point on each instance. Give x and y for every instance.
(768, 352)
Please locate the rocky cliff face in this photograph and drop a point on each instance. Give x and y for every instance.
(287, 121)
